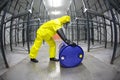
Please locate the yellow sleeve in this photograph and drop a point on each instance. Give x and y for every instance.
(57, 25)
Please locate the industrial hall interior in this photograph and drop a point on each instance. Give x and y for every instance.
(59, 39)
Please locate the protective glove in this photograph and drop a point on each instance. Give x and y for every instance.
(63, 37)
(60, 32)
(68, 42)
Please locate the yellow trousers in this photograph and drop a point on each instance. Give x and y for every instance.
(37, 44)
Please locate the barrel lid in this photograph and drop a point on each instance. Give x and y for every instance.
(71, 56)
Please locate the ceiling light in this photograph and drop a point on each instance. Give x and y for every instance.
(55, 12)
(55, 3)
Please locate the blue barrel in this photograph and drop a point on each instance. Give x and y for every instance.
(70, 56)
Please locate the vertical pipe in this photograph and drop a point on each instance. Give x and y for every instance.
(17, 30)
(71, 12)
(85, 29)
(92, 33)
(27, 32)
(72, 25)
(117, 15)
(88, 32)
(77, 32)
(88, 26)
(91, 27)
(111, 27)
(69, 33)
(98, 25)
(11, 31)
(105, 32)
(23, 30)
(18, 26)
(15, 36)
(115, 32)
(5, 23)
(100, 33)
(1, 38)
(70, 29)
(115, 38)
(66, 31)
(111, 33)
(4, 36)
(119, 34)
(11, 34)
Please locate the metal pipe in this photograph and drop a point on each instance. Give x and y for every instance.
(11, 31)
(27, 33)
(16, 16)
(84, 6)
(1, 38)
(5, 23)
(100, 34)
(18, 27)
(85, 29)
(92, 33)
(105, 32)
(23, 32)
(30, 10)
(88, 32)
(11, 34)
(119, 34)
(115, 32)
(15, 36)
(97, 24)
(72, 31)
(83, 19)
(111, 33)
(77, 32)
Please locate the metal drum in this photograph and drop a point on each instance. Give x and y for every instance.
(70, 56)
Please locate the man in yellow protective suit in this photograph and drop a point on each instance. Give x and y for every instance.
(45, 32)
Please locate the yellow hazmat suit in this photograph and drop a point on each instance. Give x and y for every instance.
(45, 32)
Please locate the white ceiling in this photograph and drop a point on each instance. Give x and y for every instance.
(57, 8)
(54, 8)
(45, 9)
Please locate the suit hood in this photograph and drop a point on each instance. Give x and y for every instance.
(64, 19)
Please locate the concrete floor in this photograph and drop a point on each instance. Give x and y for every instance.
(95, 66)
